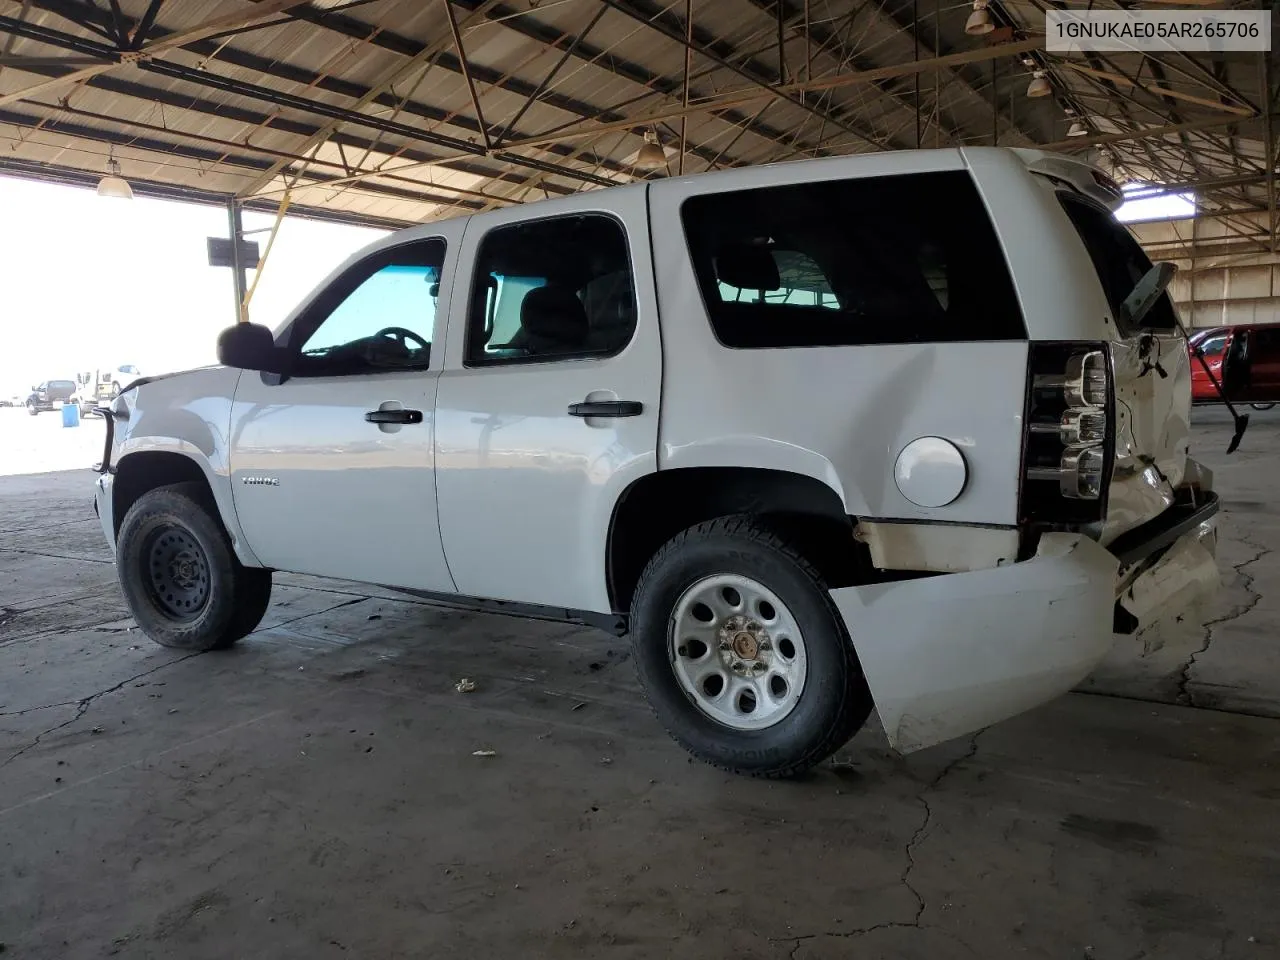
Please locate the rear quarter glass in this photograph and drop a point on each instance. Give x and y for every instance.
(912, 258)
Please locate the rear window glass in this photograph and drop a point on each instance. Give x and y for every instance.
(903, 259)
(1118, 259)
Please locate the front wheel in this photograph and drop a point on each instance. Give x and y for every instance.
(741, 652)
(182, 580)
(31, 409)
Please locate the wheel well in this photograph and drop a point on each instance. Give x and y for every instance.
(658, 506)
(139, 473)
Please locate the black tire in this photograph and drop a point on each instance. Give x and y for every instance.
(835, 701)
(1262, 406)
(31, 409)
(224, 600)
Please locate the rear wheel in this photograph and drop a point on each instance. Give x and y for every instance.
(180, 576)
(742, 654)
(1262, 406)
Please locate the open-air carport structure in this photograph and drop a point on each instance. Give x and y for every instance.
(391, 112)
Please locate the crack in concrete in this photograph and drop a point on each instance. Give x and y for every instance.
(915, 923)
(83, 704)
(54, 556)
(1184, 695)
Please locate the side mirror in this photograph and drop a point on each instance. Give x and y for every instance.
(250, 346)
(1146, 292)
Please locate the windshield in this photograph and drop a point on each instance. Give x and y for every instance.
(61, 385)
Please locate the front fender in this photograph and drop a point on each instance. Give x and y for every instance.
(218, 480)
(188, 414)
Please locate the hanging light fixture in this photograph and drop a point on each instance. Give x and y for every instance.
(651, 156)
(1077, 129)
(979, 21)
(1039, 85)
(114, 185)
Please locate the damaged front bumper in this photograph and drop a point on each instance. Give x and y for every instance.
(947, 655)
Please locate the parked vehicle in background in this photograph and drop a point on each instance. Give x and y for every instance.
(1244, 359)
(50, 395)
(878, 430)
(98, 387)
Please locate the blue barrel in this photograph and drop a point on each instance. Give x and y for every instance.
(71, 414)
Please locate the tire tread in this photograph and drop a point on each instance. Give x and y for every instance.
(851, 714)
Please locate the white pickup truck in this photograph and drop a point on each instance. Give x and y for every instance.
(905, 431)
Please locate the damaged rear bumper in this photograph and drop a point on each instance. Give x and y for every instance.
(947, 655)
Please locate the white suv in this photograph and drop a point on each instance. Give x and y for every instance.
(906, 430)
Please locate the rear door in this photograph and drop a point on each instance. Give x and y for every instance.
(1151, 365)
(548, 405)
(1264, 363)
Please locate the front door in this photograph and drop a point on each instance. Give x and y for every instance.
(332, 465)
(548, 405)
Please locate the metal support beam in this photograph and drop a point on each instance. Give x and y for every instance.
(658, 24)
(1240, 110)
(212, 80)
(263, 8)
(421, 60)
(466, 73)
(1147, 133)
(239, 273)
(542, 86)
(688, 67)
(143, 28)
(739, 98)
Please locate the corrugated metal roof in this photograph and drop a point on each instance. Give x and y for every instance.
(365, 108)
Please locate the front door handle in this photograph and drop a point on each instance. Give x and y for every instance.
(394, 416)
(606, 408)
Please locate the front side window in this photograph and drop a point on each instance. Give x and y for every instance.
(1118, 259)
(902, 259)
(378, 316)
(551, 289)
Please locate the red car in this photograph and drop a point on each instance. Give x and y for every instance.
(1244, 359)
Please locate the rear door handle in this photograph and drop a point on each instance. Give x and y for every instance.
(394, 416)
(606, 408)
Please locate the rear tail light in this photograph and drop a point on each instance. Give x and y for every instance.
(1069, 444)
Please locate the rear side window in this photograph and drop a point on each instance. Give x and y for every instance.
(904, 259)
(1117, 258)
(554, 289)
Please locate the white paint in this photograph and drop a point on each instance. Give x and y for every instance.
(943, 548)
(527, 491)
(948, 655)
(499, 493)
(930, 472)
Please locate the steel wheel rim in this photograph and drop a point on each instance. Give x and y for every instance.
(743, 664)
(177, 573)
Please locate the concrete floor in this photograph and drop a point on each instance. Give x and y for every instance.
(313, 793)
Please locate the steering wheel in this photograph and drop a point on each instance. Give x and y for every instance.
(403, 335)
